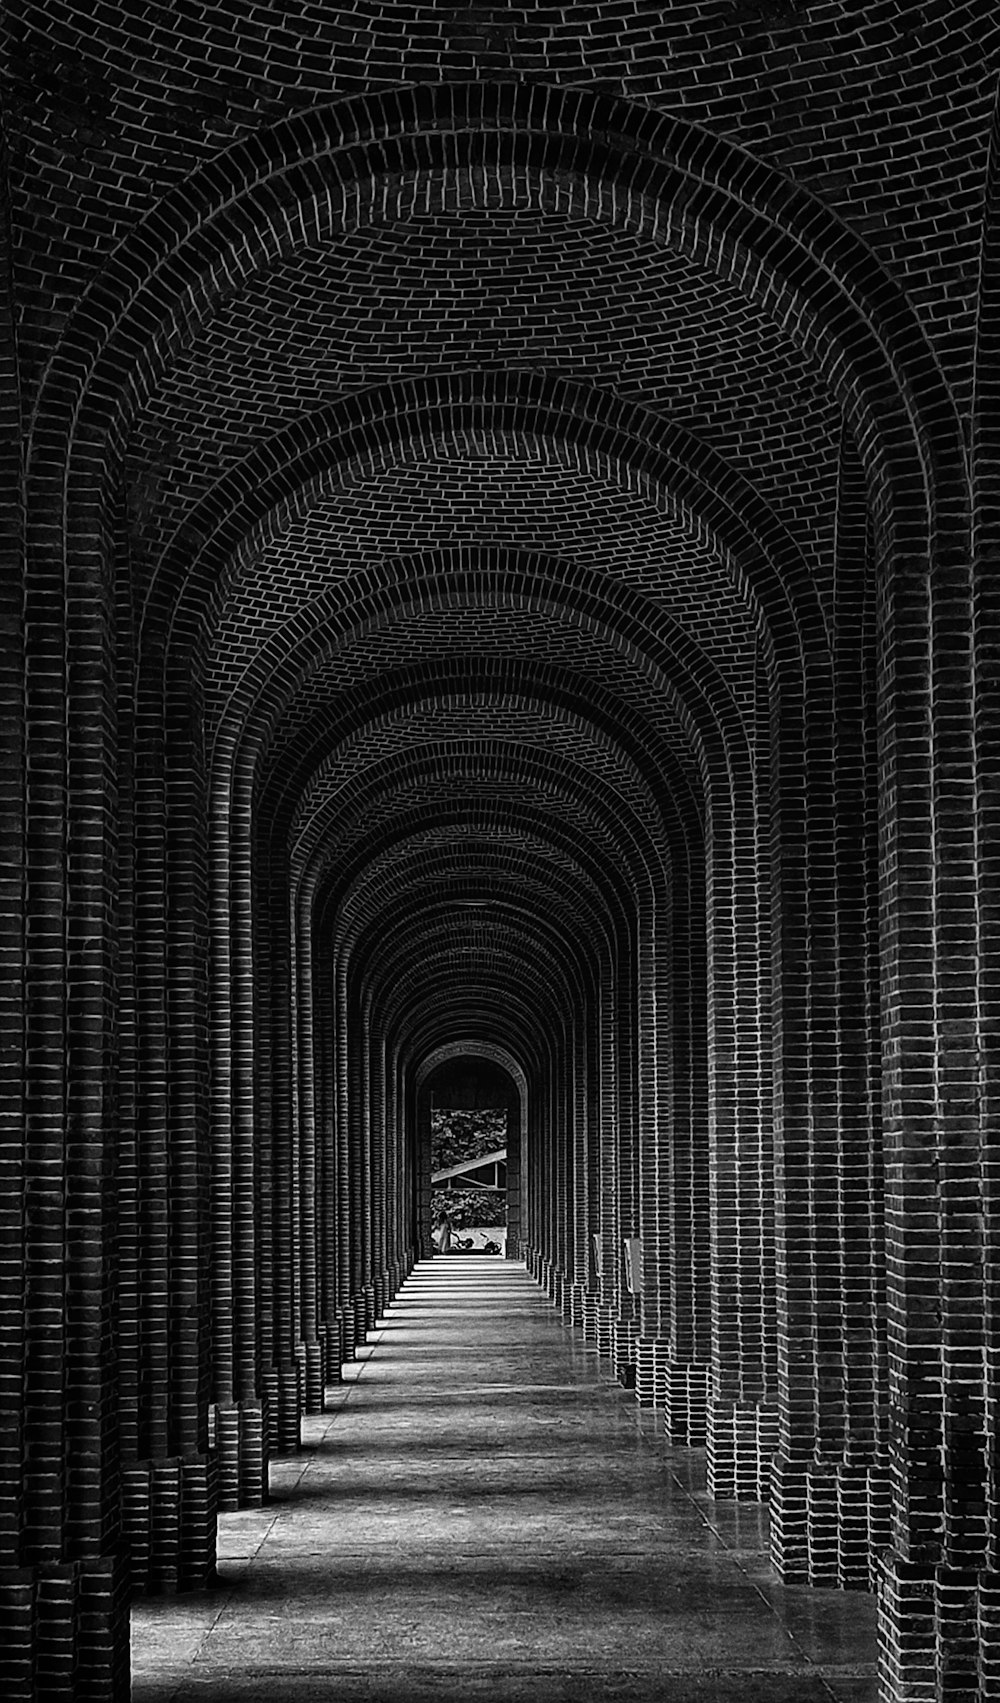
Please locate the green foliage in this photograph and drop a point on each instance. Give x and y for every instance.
(468, 1207)
(457, 1136)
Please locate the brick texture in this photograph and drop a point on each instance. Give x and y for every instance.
(499, 575)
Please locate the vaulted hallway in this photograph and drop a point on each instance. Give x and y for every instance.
(500, 732)
(483, 1513)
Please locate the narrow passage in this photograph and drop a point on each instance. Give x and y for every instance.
(484, 1514)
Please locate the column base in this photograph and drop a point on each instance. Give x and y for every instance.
(284, 1403)
(605, 1325)
(311, 1360)
(687, 1388)
(345, 1327)
(572, 1304)
(169, 1520)
(623, 1340)
(651, 1357)
(830, 1522)
(241, 1429)
(64, 1631)
(331, 1336)
(939, 1633)
(741, 1441)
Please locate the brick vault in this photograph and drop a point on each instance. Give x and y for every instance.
(500, 529)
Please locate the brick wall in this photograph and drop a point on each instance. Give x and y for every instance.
(494, 565)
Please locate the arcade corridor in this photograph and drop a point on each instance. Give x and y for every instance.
(483, 1514)
(500, 612)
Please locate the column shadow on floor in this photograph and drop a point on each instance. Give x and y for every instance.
(483, 1513)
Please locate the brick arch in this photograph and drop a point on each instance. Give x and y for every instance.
(476, 725)
(533, 886)
(558, 966)
(247, 203)
(262, 689)
(665, 986)
(522, 981)
(579, 598)
(474, 1049)
(469, 861)
(519, 681)
(511, 1036)
(419, 916)
(552, 845)
(521, 995)
(443, 774)
(638, 320)
(358, 436)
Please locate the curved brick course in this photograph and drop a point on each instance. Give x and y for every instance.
(499, 562)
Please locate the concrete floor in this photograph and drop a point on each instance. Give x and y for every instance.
(483, 1514)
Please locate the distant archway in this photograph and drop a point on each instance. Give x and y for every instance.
(482, 1074)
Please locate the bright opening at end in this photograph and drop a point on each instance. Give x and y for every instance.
(469, 1179)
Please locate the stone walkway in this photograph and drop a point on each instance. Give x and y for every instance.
(483, 1514)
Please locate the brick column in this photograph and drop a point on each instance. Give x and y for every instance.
(311, 1344)
(687, 1374)
(608, 1215)
(830, 1487)
(578, 1202)
(743, 1416)
(625, 1318)
(169, 1475)
(358, 1173)
(329, 1165)
(933, 1610)
(346, 1177)
(63, 1573)
(940, 1595)
(655, 1133)
(283, 1375)
(379, 1151)
(237, 1187)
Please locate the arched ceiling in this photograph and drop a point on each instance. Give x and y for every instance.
(479, 447)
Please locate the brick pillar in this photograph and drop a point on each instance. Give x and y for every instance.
(283, 1371)
(608, 1206)
(625, 1321)
(563, 1167)
(578, 1206)
(655, 1139)
(17, 1610)
(830, 1486)
(936, 1590)
(986, 661)
(63, 1572)
(310, 1344)
(422, 1159)
(168, 1476)
(515, 1136)
(357, 1172)
(329, 1166)
(686, 1372)
(380, 1192)
(242, 1425)
(742, 1418)
(365, 1297)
